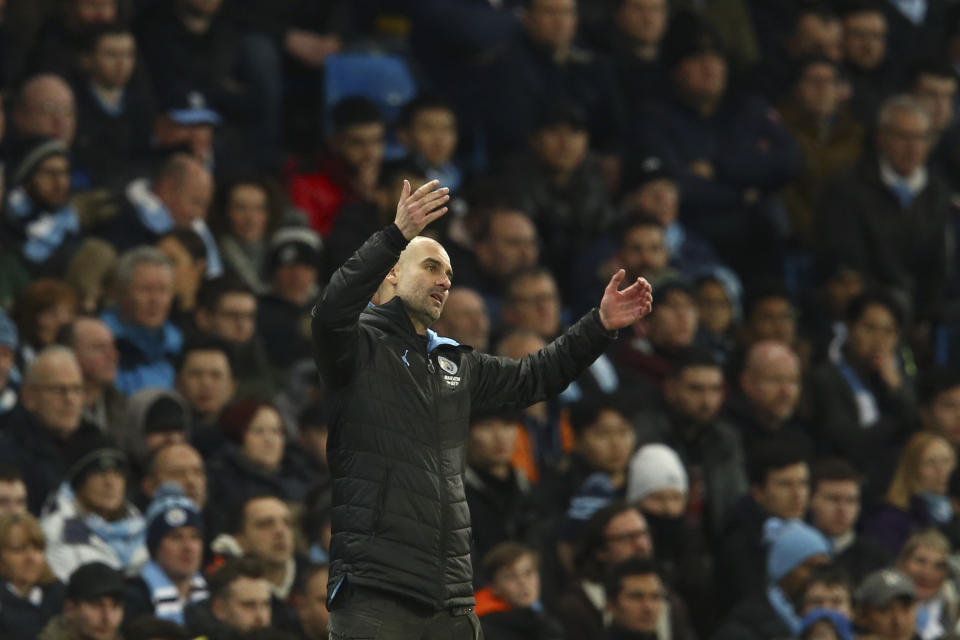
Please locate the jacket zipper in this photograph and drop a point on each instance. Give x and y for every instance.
(435, 392)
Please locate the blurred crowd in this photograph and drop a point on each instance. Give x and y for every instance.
(770, 454)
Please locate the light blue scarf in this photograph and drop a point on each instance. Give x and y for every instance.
(164, 595)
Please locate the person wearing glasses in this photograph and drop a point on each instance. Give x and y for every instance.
(48, 422)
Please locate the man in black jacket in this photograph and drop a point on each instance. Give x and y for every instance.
(401, 399)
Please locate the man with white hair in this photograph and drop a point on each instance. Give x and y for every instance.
(145, 336)
(47, 424)
(891, 217)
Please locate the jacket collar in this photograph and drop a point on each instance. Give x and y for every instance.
(392, 317)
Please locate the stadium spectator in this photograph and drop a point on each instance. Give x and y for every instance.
(181, 465)
(155, 418)
(322, 187)
(794, 550)
(923, 559)
(205, 380)
(835, 506)
(227, 308)
(872, 71)
(92, 607)
(114, 110)
(510, 606)
(886, 606)
(257, 458)
(828, 134)
(48, 424)
(938, 399)
(560, 185)
(140, 321)
(310, 601)
(32, 595)
(239, 602)
(261, 527)
(89, 518)
(171, 579)
(188, 255)
(39, 218)
(465, 319)
(428, 129)
(544, 66)
(895, 184)
(780, 488)
(283, 313)
(637, 35)
(688, 421)
(862, 404)
(244, 214)
(96, 351)
(829, 588)
(918, 496)
(636, 596)
(502, 504)
(764, 406)
(41, 310)
(13, 490)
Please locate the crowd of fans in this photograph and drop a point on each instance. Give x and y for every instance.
(770, 454)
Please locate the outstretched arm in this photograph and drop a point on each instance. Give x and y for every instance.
(504, 382)
(353, 285)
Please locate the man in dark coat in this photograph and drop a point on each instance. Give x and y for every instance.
(891, 218)
(39, 433)
(401, 399)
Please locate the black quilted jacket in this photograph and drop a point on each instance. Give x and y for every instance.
(400, 411)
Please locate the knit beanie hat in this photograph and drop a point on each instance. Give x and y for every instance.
(99, 454)
(654, 467)
(790, 544)
(170, 510)
(28, 156)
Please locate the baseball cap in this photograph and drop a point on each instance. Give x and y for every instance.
(94, 580)
(883, 586)
(191, 108)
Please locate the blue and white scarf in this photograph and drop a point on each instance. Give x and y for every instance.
(44, 231)
(167, 603)
(125, 537)
(154, 216)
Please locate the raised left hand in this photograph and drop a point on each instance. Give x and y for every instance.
(619, 309)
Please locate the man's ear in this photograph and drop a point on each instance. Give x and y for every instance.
(393, 276)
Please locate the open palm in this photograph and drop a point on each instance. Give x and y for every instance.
(620, 309)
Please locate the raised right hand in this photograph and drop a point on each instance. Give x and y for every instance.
(418, 209)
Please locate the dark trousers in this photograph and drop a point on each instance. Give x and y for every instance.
(358, 613)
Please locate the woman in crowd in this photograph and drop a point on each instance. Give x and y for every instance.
(31, 594)
(924, 560)
(257, 457)
(40, 311)
(917, 498)
(245, 214)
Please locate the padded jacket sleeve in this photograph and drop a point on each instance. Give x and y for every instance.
(504, 382)
(336, 314)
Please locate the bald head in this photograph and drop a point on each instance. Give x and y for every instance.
(185, 187)
(771, 381)
(45, 107)
(179, 464)
(53, 390)
(421, 279)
